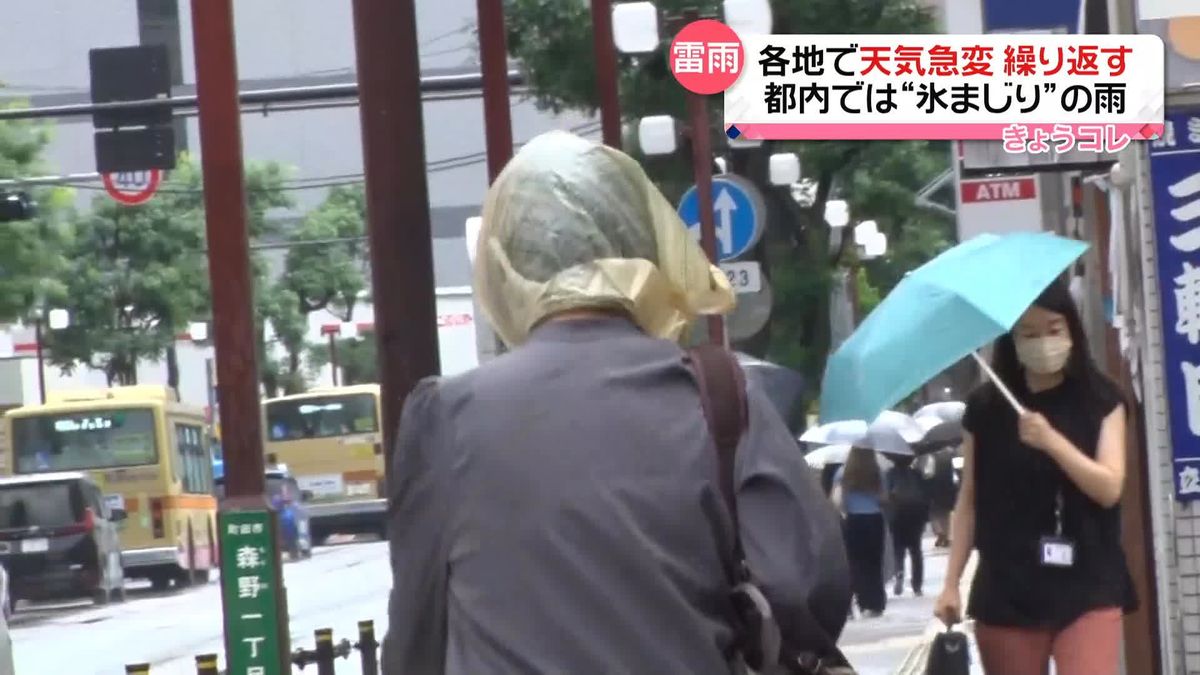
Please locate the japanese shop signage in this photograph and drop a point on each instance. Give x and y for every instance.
(251, 584)
(1175, 171)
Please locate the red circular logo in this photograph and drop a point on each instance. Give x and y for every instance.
(707, 57)
(133, 187)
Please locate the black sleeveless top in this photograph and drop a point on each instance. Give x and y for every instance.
(1016, 491)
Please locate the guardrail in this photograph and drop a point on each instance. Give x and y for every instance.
(324, 656)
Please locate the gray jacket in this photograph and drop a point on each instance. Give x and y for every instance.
(556, 511)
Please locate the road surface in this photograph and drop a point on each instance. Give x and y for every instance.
(338, 587)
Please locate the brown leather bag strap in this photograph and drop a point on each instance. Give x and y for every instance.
(722, 387)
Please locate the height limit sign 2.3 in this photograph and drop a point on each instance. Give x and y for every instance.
(738, 213)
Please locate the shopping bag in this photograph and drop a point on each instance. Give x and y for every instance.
(950, 654)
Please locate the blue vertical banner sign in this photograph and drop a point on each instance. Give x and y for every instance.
(1003, 16)
(1175, 173)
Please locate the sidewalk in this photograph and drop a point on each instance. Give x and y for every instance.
(897, 643)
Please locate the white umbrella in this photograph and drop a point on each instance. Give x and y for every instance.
(945, 411)
(835, 433)
(837, 454)
(889, 423)
(903, 425)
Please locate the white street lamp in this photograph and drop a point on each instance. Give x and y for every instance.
(748, 17)
(59, 319)
(837, 214)
(876, 247)
(348, 330)
(785, 169)
(657, 135)
(635, 27)
(474, 225)
(198, 331)
(864, 231)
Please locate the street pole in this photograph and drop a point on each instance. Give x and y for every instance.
(333, 357)
(604, 54)
(497, 112)
(401, 239)
(245, 521)
(852, 290)
(493, 64)
(41, 360)
(697, 105)
(210, 390)
(228, 245)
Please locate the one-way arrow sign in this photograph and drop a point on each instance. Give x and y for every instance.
(738, 215)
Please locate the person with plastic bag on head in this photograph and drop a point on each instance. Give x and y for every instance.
(557, 509)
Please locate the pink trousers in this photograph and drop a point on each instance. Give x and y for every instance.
(1089, 646)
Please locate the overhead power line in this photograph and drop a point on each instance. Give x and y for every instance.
(432, 84)
(86, 181)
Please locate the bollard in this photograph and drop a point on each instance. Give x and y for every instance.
(324, 651)
(206, 664)
(368, 648)
(138, 669)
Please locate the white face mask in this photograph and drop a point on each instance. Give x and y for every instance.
(1044, 355)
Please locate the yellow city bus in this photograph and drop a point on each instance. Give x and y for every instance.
(149, 454)
(330, 441)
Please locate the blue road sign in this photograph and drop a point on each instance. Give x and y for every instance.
(1175, 174)
(738, 214)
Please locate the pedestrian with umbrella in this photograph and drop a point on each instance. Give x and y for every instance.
(860, 495)
(1043, 447)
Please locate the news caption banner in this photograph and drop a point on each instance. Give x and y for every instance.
(1032, 92)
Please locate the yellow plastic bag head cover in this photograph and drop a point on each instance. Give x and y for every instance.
(570, 224)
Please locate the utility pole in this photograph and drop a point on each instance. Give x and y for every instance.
(702, 171)
(401, 239)
(497, 112)
(245, 519)
(41, 359)
(607, 86)
(493, 63)
(697, 106)
(228, 245)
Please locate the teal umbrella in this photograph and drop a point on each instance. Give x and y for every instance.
(938, 314)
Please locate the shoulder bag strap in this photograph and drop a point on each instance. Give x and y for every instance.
(722, 387)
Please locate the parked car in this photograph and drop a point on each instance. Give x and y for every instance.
(288, 500)
(59, 539)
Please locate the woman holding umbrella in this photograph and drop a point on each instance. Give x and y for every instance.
(1041, 487)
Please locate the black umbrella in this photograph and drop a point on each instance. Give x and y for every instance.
(782, 385)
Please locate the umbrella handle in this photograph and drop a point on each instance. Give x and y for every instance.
(1012, 400)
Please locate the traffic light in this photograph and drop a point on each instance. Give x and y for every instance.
(16, 206)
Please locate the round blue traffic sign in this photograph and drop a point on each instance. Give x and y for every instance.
(738, 214)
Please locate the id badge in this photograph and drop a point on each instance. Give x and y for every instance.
(1057, 552)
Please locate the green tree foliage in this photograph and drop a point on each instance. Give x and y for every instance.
(31, 261)
(279, 306)
(878, 179)
(330, 276)
(139, 274)
(323, 276)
